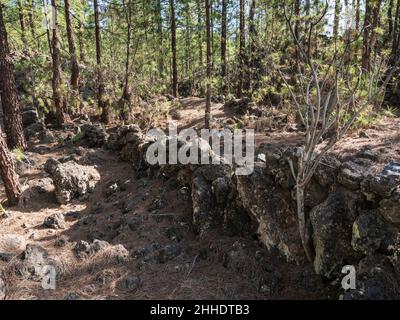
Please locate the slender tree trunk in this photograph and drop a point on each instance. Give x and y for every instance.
(396, 31)
(8, 92)
(252, 46)
(48, 22)
(8, 174)
(200, 32)
(173, 48)
(74, 102)
(297, 14)
(160, 39)
(80, 38)
(188, 48)
(336, 20)
(101, 100)
(366, 40)
(223, 46)
(390, 19)
(31, 21)
(57, 81)
(22, 23)
(212, 32)
(208, 90)
(358, 6)
(126, 92)
(241, 50)
(375, 24)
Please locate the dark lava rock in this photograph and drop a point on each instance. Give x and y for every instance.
(55, 221)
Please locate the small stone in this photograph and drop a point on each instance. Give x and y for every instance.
(62, 241)
(82, 247)
(98, 245)
(55, 221)
(168, 253)
(157, 204)
(129, 283)
(73, 215)
(72, 296)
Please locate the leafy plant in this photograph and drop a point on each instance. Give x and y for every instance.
(19, 154)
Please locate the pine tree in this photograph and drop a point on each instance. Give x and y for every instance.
(8, 92)
(8, 174)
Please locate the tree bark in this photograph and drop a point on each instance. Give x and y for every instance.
(371, 21)
(358, 5)
(101, 100)
(223, 46)
(57, 80)
(390, 19)
(9, 96)
(241, 50)
(199, 33)
(8, 174)
(173, 48)
(74, 81)
(252, 46)
(297, 14)
(22, 23)
(396, 31)
(48, 22)
(160, 38)
(126, 92)
(336, 20)
(208, 89)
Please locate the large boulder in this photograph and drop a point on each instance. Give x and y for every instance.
(273, 209)
(390, 208)
(332, 225)
(34, 263)
(71, 180)
(204, 212)
(372, 234)
(351, 175)
(95, 135)
(212, 196)
(384, 184)
(375, 280)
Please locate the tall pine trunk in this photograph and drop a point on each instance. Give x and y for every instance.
(336, 20)
(125, 99)
(223, 46)
(371, 21)
(160, 38)
(9, 97)
(252, 46)
(8, 174)
(101, 99)
(208, 89)
(57, 80)
(199, 32)
(241, 50)
(74, 81)
(173, 48)
(22, 23)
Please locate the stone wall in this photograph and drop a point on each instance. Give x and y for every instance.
(353, 214)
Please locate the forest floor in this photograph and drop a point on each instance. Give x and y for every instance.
(167, 257)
